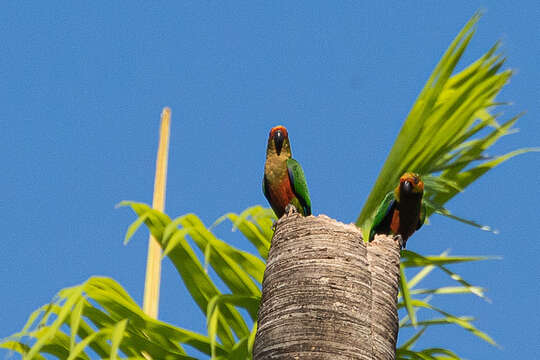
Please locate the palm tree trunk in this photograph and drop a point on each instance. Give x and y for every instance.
(326, 295)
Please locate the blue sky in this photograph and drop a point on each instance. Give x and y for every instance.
(82, 86)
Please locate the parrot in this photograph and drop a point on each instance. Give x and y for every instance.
(402, 211)
(284, 182)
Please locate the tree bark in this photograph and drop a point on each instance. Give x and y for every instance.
(326, 294)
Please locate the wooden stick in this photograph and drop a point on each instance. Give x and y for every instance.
(153, 263)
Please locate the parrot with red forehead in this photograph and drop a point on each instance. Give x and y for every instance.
(402, 211)
(284, 182)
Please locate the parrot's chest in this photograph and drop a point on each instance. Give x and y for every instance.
(280, 191)
(405, 220)
(278, 185)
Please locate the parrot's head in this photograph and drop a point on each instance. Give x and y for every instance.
(410, 184)
(278, 142)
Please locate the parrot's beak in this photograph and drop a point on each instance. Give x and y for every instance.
(278, 141)
(407, 186)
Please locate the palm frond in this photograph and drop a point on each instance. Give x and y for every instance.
(99, 317)
(441, 137)
(408, 299)
(107, 321)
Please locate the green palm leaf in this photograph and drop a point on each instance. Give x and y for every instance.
(107, 321)
(437, 139)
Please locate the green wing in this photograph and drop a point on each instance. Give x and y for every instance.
(381, 219)
(423, 212)
(299, 185)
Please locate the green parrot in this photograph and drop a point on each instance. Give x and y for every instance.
(284, 182)
(402, 211)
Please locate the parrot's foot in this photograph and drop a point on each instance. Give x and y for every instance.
(399, 239)
(290, 209)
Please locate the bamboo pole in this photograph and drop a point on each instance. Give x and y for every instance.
(153, 263)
